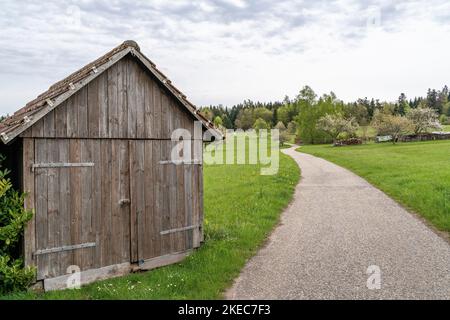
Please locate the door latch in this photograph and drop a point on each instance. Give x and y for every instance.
(124, 202)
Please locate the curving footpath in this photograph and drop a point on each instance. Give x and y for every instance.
(336, 227)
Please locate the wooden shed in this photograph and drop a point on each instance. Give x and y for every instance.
(94, 155)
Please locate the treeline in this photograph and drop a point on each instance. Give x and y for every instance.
(302, 113)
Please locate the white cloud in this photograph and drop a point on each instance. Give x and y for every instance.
(221, 51)
(236, 3)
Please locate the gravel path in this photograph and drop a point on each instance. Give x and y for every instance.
(337, 226)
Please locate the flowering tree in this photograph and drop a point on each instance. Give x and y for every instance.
(335, 124)
(390, 125)
(423, 119)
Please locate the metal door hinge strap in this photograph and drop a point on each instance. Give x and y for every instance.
(65, 248)
(178, 162)
(61, 165)
(179, 230)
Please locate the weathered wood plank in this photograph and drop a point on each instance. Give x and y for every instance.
(124, 211)
(93, 109)
(166, 241)
(61, 121)
(72, 118)
(162, 261)
(122, 99)
(133, 205)
(87, 231)
(181, 212)
(81, 106)
(149, 238)
(75, 201)
(49, 129)
(89, 276)
(41, 154)
(165, 116)
(106, 243)
(103, 106)
(28, 187)
(141, 80)
(158, 174)
(132, 98)
(65, 258)
(38, 129)
(173, 200)
(113, 102)
(141, 188)
(149, 116)
(53, 205)
(116, 219)
(188, 203)
(96, 182)
(157, 123)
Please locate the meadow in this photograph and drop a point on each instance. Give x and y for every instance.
(241, 209)
(417, 175)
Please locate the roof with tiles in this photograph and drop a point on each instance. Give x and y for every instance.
(34, 110)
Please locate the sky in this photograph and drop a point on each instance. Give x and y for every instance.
(225, 51)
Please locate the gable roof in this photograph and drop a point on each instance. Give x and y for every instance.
(21, 120)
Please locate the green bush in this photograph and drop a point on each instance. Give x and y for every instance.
(13, 219)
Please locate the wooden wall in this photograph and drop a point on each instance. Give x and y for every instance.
(82, 205)
(125, 102)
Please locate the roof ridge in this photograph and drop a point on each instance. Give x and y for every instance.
(60, 88)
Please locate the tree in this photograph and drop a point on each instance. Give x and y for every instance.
(432, 101)
(227, 122)
(292, 127)
(335, 124)
(307, 94)
(245, 119)
(207, 113)
(402, 105)
(284, 137)
(280, 126)
(311, 110)
(218, 122)
(264, 114)
(391, 125)
(260, 124)
(423, 119)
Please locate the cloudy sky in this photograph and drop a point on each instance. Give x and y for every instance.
(225, 51)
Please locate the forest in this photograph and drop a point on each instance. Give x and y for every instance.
(302, 115)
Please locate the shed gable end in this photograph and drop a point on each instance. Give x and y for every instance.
(125, 102)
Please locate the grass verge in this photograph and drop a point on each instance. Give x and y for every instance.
(417, 175)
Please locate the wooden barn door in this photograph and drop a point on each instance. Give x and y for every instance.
(165, 202)
(82, 204)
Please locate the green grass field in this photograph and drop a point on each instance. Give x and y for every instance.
(241, 209)
(417, 175)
